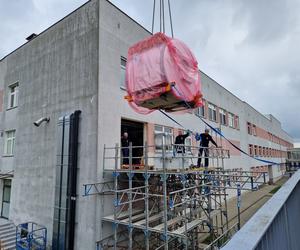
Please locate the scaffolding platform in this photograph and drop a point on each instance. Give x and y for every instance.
(159, 204)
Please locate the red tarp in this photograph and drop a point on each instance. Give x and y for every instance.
(158, 60)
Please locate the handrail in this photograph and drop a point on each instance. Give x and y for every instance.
(254, 232)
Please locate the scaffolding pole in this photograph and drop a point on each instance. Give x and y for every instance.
(160, 206)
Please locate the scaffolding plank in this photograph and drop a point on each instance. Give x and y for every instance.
(135, 217)
(150, 219)
(122, 215)
(189, 226)
(172, 221)
(169, 223)
(194, 223)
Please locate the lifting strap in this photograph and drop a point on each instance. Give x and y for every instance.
(162, 23)
(215, 130)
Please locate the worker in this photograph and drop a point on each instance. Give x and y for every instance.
(180, 141)
(125, 148)
(204, 138)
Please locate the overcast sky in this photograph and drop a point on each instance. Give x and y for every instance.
(252, 48)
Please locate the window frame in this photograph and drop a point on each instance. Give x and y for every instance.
(197, 111)
(251, 149)
(249, 128)
(222, 116)
(254, 131)
(188, 147)
(123, 69)
(255, 150)
(232, 120)
(236, 122)
(259, 150)
(14, 94)
(213, 112)
(163, 133)
(13, 142)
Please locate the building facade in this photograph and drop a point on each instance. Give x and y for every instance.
(79, 64)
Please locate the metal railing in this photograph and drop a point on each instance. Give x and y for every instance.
(276, 225)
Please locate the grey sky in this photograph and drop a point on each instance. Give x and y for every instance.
(249, 47)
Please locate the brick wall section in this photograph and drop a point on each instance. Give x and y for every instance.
(260, 132)
(233, 151)
(226, 145)
(150, 136)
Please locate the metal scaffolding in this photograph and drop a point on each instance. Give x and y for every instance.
(163, 201)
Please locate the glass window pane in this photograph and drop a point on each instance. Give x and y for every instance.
(158, 141)
(7, 182)
(5, 209)
(12, 97)
(168, 130)
(123, 77)
(168, 140)
(16, 97)
(6, 194)
(8, 147)
(123, 62)
(123, 72)
(12, 146)
(158, 128)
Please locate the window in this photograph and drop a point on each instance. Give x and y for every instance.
(188, 143)
(253, 129)
(259, 151)
(255, 150)
(249, 128)
(263, 151)
(163, 135)
(13, 95)
(212, 112)
(123, 73)
(251, 149)
(231, 120)
(236, 122)
(222, 114)
(201, 110)
(9, 142)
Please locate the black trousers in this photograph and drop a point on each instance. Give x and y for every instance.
(125, 154)
(205, 157)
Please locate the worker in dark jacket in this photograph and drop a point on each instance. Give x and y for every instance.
(204, 138)
(125, 148)
(180, 141)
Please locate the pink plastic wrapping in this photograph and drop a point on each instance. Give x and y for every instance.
(157, 61)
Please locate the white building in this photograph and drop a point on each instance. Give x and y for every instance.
(78, 64)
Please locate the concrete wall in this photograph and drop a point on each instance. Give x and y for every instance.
(75, 64)
(57, 74)
(117, 33)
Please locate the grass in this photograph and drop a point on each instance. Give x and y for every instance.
(274, 190)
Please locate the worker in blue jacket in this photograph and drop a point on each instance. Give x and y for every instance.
(204, 139)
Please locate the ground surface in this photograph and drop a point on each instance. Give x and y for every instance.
(251, 202)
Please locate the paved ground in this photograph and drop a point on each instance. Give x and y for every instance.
(251, 202)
